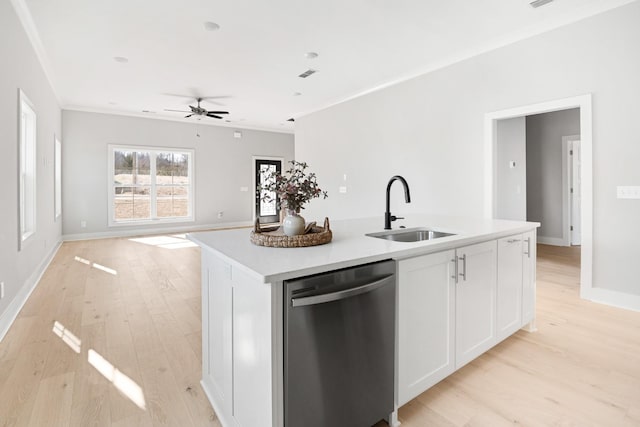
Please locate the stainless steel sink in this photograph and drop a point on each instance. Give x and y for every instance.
(410, 234)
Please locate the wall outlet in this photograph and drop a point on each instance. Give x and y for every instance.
(342, 189)
(243, 189)
(1, 290)
(220, 214)
(83, 224)
(628, 192)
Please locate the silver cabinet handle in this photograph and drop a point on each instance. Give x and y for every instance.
(455, 269)
(335, 296)
(513, 240)
(528, 252)
(464, 267)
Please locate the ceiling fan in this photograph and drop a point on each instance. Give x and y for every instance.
(200, 111)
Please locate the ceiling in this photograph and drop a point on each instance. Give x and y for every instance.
(253, 60)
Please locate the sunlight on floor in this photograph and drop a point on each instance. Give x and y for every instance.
(67, 337)
(123, 383)
(174, 241)
(96, 265)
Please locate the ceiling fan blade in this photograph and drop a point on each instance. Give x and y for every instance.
(217, 112)
(179, 95)
(213, 115)
(177, 111)
(210, 99)
(187, 116)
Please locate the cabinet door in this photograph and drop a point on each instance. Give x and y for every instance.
(219, 341)
(425, 322)
(475, 301)
(509, 291)
(529, 279)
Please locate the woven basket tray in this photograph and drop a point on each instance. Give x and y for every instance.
(277, 239)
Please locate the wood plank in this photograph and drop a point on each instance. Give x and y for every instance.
(53, 401)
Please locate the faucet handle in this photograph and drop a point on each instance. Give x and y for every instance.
(393, 217)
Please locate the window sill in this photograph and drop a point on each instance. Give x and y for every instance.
(150, 222)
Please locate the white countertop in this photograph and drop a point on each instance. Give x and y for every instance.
(350, 246)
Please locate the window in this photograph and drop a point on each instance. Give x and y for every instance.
(27, 169)
(150, 185)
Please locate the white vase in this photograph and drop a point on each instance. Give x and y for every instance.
(292, 224)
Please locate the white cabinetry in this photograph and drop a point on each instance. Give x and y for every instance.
(529, 280)
(475, 301)
(217, 338)
(237, 351)
(426, 307)
(455, 305)
(509, 298)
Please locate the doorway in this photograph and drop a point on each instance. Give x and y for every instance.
(585, 171)
(266, 211)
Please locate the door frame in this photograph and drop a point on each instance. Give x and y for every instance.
(567, 183)
(584, 103)
(253, 174)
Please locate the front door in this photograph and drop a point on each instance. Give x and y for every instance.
(266, 211)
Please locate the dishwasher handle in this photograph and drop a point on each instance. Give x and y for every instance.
(343, 294)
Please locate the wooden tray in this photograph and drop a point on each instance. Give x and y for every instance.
(277, 239)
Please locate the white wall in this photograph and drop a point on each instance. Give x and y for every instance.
(430, 129)
(511, 181)
(222, 165)
(21, 69)
(544, 172)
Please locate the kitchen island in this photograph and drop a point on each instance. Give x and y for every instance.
(243, 303)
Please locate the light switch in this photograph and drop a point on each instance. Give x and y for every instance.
(342, 189)
(244, 188)
(512, 164)
(628, 192)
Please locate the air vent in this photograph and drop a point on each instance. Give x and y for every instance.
(310, 72)
(538, 3)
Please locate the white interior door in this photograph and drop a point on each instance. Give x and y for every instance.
(576, 190)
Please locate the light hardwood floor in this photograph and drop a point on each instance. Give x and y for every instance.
(141, 329)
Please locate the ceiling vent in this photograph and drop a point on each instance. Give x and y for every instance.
(310, 72)
(538, 3)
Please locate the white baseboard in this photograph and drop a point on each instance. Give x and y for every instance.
(13, 309)
(554, 241)
(613, 298)
(148, 231)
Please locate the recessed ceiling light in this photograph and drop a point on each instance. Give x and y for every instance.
(296, 94)
(211, 26)
(311, 55)
(121, 59)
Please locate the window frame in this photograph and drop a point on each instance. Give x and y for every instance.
(152, 150)
(27, 162)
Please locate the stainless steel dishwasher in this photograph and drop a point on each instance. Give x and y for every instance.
(339, 330)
